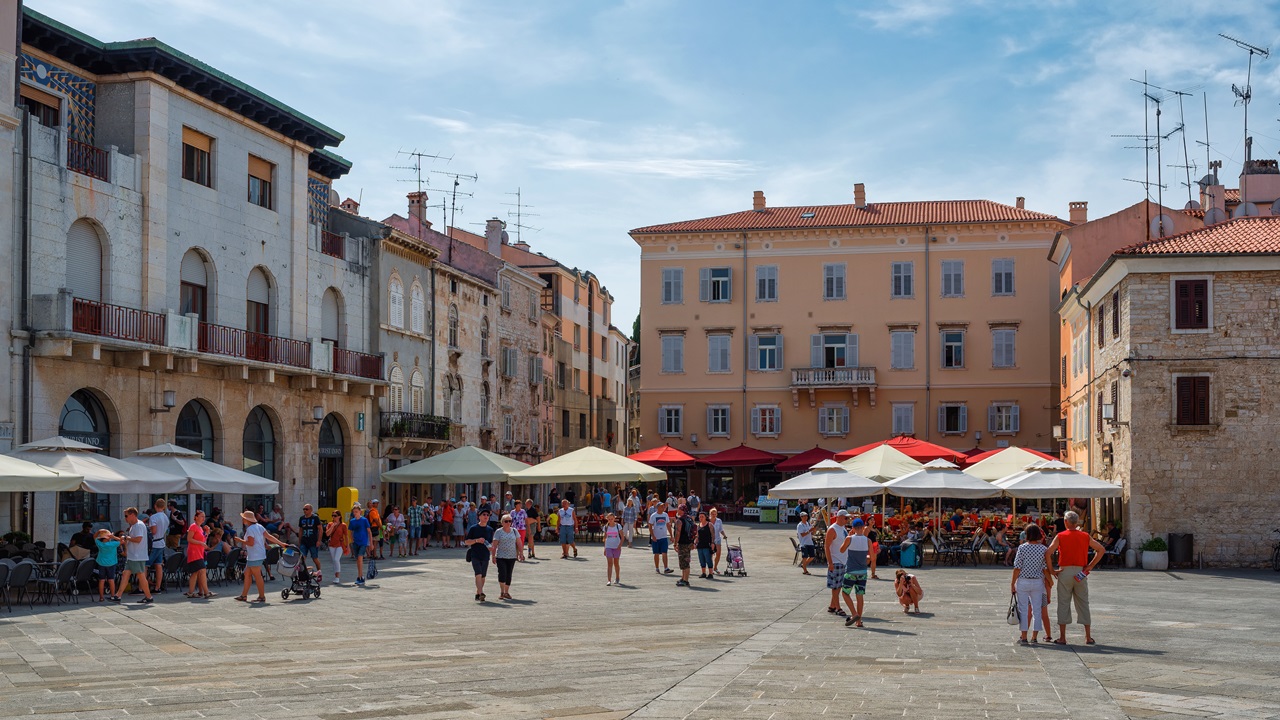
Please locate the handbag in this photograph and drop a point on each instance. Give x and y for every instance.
(1015, 613)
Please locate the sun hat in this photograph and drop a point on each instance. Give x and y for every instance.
(249, 517)
(101, 534)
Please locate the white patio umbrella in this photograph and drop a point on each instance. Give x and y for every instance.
(939, 479)
(1053, 479)
(25, 476)
(201, 475)
(102, 473)
(827, 479)
(881, 463)
(589, 465)
(1003, 463)
(466, 464)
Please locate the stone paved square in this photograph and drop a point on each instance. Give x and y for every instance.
(414, 645)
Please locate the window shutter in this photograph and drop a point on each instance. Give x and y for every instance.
(964, 419)
(851, 350)
(677, 293)
(258, 290)
(704, 284)
(1014, 422)
(193, 270)
(1099, 411)
(1115, 314)
(678, 354)
(1201, 401)
(815, 351)
(993, 414)
(84, 261)
(329, 317)
(1062, 373)
(844, 421)
(753, 352)
(1102, 323)
(755, 421)
(781, 363)
(710, 421)
(1199, 303)
(728, 283)
(1185, 389)
(942, 418)
(822, 421)
(1182, 304)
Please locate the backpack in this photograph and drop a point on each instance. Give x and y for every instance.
(688, 531)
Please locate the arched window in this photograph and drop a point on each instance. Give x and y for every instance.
(331, 318)
(84, 419)
(332, 457)
(395, 393)
(454, 399)
(453, 326)
(259, 445)
(484, 406)
(193, 296)
(195, 430)
(258, 303)
(417, 309)
(484, 337)
(84, 261)
(418, 392)
(396, 290)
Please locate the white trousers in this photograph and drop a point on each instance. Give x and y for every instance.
(335, 554)
(1030, 600)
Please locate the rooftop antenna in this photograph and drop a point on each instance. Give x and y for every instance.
(1208, 160)
(1182, 128)
(416, 167)
(520, 214)
(1245, 94)
(453, 200)
(1156, 95)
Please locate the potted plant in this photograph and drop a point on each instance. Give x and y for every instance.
(1155, 554)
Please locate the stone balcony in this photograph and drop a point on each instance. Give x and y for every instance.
(837, 378)
(88, 162)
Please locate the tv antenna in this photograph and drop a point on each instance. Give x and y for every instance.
(1186, 165)
(1208, 160)
(520, 214)
(1157, 95)
(453, 198)
(416, 167)
(1244, 95)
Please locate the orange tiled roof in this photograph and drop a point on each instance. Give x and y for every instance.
(930, 212)
(1241, 236)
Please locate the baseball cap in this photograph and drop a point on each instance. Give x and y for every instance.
(843, 513)
(857, 522)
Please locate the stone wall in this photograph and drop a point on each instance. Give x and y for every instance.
(519, 326)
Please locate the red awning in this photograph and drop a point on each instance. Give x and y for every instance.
(664, 457)
(918, 450)
(974, 459)
(742, 456)
(805, 460)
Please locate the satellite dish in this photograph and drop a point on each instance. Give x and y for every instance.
(505, 237)
(1207, 180)
(1161, 226)
(1245, 209)
(334, 198)
(1213, 216)
(1193, 205)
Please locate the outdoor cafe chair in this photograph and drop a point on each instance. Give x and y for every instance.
(4, 584)
(213, 562)
(60, 583)
(231, 567)
(174, 566)
(19, 578)
(84, 578)
(795, 546)
(1115, 554)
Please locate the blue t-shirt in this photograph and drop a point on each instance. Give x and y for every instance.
(108, 552)
(359, 528)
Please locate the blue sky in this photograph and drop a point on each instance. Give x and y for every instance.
(614, 115)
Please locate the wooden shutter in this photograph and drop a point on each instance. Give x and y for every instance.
(193, 270)
(942, 418)
(1063, 372)
(200, 141)
(728, 286)
(755, 421)
(815, 351)
(851, 350)
(753, 352)
(710, 421)
(1115, 314)
(329, 317)
(704, 284)
(781, 362)
(964, 419)
(1191, 304)
(84, 261)
(1099, 412)
(1200, 400)
(993, 414)
(844, 421)
(1102, 323)
(260, 168)
(1015, 422)
(258, 290)
(822, 421)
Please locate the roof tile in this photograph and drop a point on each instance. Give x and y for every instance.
(876, 214)
(1241, 236)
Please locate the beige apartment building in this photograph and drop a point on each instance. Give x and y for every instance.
(789, 327)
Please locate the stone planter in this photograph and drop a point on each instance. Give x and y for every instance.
(1155, 560)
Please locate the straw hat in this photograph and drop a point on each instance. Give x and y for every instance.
(249, 517)
(103, 532)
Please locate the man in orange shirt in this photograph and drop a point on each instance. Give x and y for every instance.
(1074, 566)
(375, 524)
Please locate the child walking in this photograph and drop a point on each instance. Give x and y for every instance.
(612, 550)
(108, 560)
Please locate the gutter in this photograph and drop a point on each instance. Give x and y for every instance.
(1088, 376)
(928, 343)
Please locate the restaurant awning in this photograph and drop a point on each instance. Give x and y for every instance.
(25, 476)
(202, 475)
(742, 456)
(827, 479)
(588, 465)
(665, 456)
(918, 450)
(805, 460)
(995, 464)
(466, 464)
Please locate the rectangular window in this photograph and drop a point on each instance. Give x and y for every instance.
(953, 349)
(766, 283)
(1003, 344)
(904, 419)
(1115, 315)
(718, 421)
(1002, 276)
(510, 361)
(953, 419)
(577, 337)
(564, 423)
(506, 293)
(534, 305)
(766, 420)
(194, 298)
(577, 379)
(46, 108)
(197, 157)
(535, 369)
(715, 284)
(260, 174)
(833, 281)
(1002, 418)
(672, 353)
(833, 350)
(718, 353)
(833, 420)
(1193, 401)
(904, 279)
(952, 278)
(902, 350)
(561, 374)
(1102, 323)
(582, 426)
(671, 420)
(672, 286)
(508, 428)
(1191, 304)
(766, 352)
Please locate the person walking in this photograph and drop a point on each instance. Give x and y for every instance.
(108, 559)
(565, 515)
(507, 550)
(835, 537)
(376, 538)
(255, 540)
(717, 534)
(136, 554)
(629, 515)
(659, 538)
(197, 569)
(453, 523)
(612, 550)
(360, 532)
(705, 544)
(414, 518)
(1073, 546)
(857, 550)
(336, 539)
(804, 538)
(1029, 569)
(533, 524)
(158, 525)
(309, 535)
(478, 540)
(519, 523)
(686, 535)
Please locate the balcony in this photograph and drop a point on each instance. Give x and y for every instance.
(350, 362)
(837, 378)
(113, 321)
(333, 245)
(237, 343)
(88, 160)
(414, 426)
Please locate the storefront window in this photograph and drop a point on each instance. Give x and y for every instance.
(83, 419)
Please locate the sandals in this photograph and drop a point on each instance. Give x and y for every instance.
(261, 599)
(1059, 641)
(836, 611)
(1090, 641)
(243, 598)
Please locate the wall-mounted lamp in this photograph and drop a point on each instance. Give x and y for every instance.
(1057, 432)
(977, 436)
(693, 438)
(170, 402)
(317, 414)
(1109, 414)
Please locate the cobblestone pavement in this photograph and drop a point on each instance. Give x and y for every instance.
(414, 645)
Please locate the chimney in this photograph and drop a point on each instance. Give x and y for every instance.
(350, 206)
(494, 236)
(757, 201)
(1079, 212)
(417, 203)
(1021, 203)
(521, 245)
(859, 195)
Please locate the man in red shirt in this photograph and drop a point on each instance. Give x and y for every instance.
(1074, 566)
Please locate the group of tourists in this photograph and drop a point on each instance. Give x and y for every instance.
(1034, 575)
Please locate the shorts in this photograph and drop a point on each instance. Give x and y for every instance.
(682, 553)
(835, 576)
(136, 566)
(613, 553)
(659, 546)
(254, 563)
(312, 550)
(195, 566)
(481, 565)
(273, 528)
(566, 534)
(107, 572)
(806, 551)
(402, 535)
(156, 556)
(415, 531)
(358, 550)
(855, 581)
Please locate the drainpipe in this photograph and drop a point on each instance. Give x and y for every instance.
(928, 342)
(1088, 376)
(746, 347)
(25, 306)
(431, 399)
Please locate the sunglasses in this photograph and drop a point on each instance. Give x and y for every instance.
(506, 522)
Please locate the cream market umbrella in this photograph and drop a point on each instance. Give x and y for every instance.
(1053, 479)
(1004, 463)
(201, 475)
(25, 476)
(102, 473)
(939, 479)
(827, 479)
(881, 463)
(466, 464)
(589, 465)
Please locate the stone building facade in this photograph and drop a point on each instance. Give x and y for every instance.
(521, 362)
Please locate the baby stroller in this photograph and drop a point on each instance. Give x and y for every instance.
(302, 580)
(736, 565)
